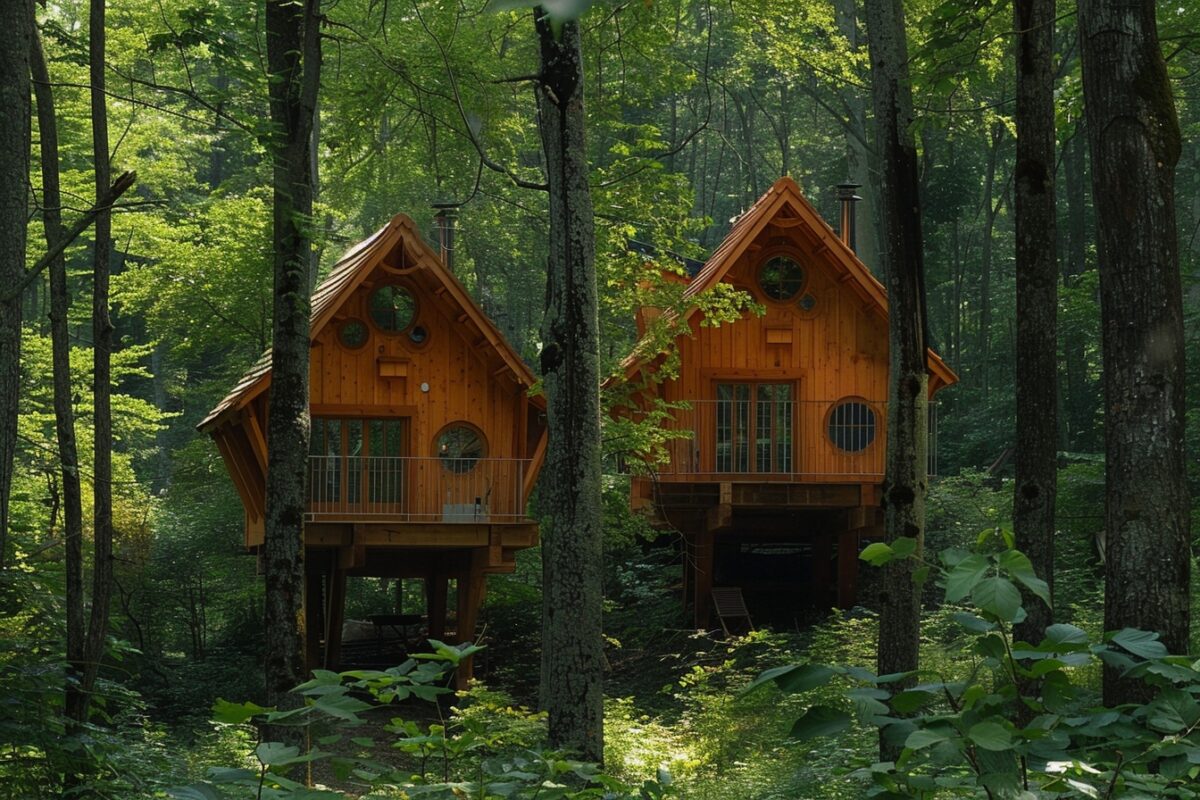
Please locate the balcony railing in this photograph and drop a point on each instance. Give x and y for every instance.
(412, 489)
(776, 441)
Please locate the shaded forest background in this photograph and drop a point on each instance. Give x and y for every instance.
(694, 109)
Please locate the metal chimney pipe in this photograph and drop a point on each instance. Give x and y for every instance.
(445, 218)
(847, 198)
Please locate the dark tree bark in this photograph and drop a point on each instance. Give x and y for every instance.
(16, 32)
(858, 155)
(906, 469)
(1134, 138)
(1036, 378)
(572, 655)
(64, 413)
(102, 340)
(294, 64)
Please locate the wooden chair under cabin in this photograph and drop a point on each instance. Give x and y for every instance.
(731, 609)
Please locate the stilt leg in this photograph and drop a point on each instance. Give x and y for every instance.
(335, 616)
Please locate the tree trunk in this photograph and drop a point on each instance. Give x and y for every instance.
(102, 340)
(1036, 379)
(990, 210)
(294, 63)
(858, 156)
(1134, 138)
(905, 477)
(572, 654)
(16, 31)
(64, 413)
(1080, 394)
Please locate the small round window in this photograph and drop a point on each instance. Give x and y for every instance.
(781, 278)
(459, 446)
(353, 334)
(852, 426)
(418, 335)
(393, 308)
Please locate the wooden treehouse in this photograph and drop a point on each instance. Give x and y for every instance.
(425, 443)
(776, 478)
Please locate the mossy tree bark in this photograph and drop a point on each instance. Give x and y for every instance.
(572, 654)
(293, 64)
(16, 31)
(1036, 378)
(1134, 139)
(906, 469)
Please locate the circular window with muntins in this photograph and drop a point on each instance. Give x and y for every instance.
(781, 278)
(459, 446)
(353, 334)
(852, 426)
(393, 308)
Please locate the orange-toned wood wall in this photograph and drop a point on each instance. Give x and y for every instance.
(837, 350)
(465, 380)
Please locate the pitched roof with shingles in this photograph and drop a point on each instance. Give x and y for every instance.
(783, 195)
(346, 276)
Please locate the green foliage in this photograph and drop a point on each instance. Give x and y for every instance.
(1021, 720)
(486, 750)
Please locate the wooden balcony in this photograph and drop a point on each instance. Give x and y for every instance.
(463, 491)
(749, 440)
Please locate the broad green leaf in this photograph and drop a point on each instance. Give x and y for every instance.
(230, 774)
(923, 737)
(907, 702)
(820, 721)
(1063, 634)
(271, 753)
(197, 791)
(964, 576)
(793, 678)
(235, 713)
(877, 554)
(973, 623)
(997, 596)
(1140, 643)
(990, 736)
(341, 706)
(903, 546)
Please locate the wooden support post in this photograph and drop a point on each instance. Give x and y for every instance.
(471, 585)
(702, 586)
(847, 586)
(335, 617)
(314, 622)
(435, 602)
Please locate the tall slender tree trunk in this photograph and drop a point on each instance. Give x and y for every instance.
(1036, 378)
(990, 209)
(1134, 138)
(16, 31)
(572, 654)
(64, 413)
(1079, 404)
(906, 469)
(294, 63)
(102, 341)
(858, 155)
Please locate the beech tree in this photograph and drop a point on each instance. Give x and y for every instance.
(1134, 140)
(906, 476)
(294, 73)
(1036, 372)
(572, 640)
(16, 30)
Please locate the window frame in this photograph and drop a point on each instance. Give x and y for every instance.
(795, 256)
(416, 314)
(750, 431)
(876, 425)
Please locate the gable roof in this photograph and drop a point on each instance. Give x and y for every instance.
(346, 276)
(784, 202)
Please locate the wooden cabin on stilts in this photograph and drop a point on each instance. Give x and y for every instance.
(425, 442)
(774, 480)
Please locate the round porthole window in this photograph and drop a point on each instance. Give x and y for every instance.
(418, 335)
(852, 426)
(353, 334)
(459, 447)
(393, 308)
(781, 278)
